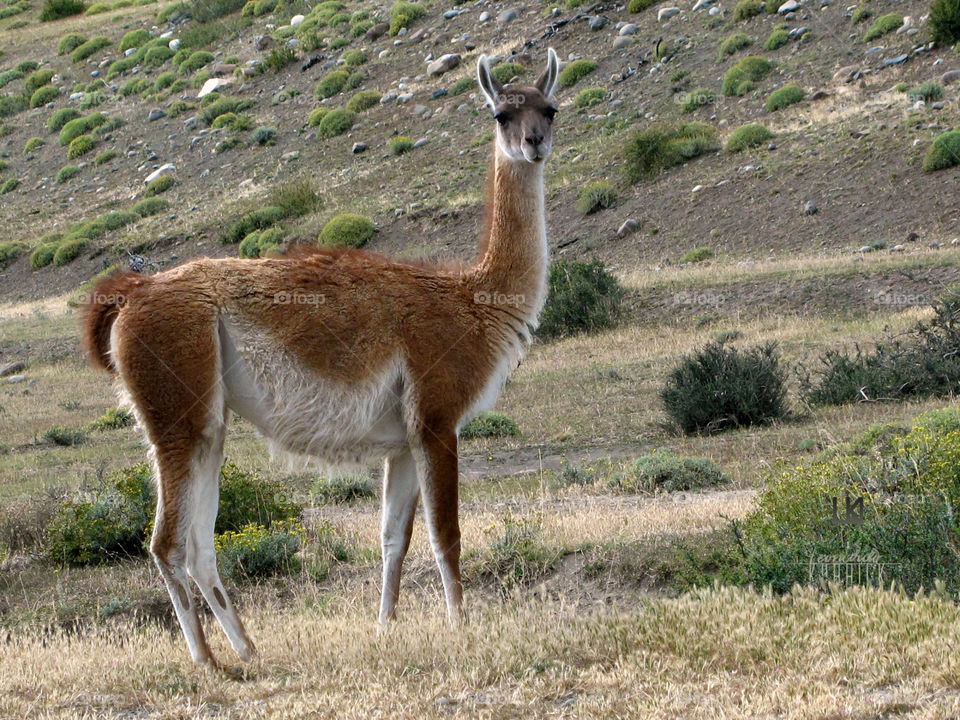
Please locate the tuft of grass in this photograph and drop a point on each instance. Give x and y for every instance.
(347, 230)
(945, 21)
(403, 14)
(665, 471)
(37, 79)
(33, 144)
(343, 489)
(67, 172)
(73, 129)
(696, 99)
(778, 38)
(517, 555)
(42, 255)
(860, 13)
(296, 198)
(883, 25)
(79, 146)
(10, 250)
(330, 85)
(641, 5)
(336, 122)
(732, 43)
(64, 436)
(784, 97)
(264, 136)
(741, 78)
(70, 42)
(113, 419)
(90, 47)
(104, 157)
(664, 146)
(43, 95)
(400, 144)
(278, 58)
(57, 9)
(490, 425)
(747, 136)
(944, 152)
(746, 9)
(316, 116)
(160, 185)
(462, 85)
(506, 71)
(362, 100)
(9, 186)
(596, 196)
(223, 105)
(696, 255)
(927, 91)
(576, 71)
(149, 206)
(134, 39)
(590, 96)
(354, 58)
(69, 250)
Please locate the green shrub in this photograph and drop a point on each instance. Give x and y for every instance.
(720, 387)
(740, 79)
(247, 498)
(696, 255)
(92, 100)
(336, 122)
(56, 9)
(42, 255)
(337, 43)
(664, 146)
(400, 144)
(746, 9)
(70, 42)
(696, 99)
(27, 66)
(489, 425)
(402, 15)
(172, 11)
(590, 96)
(232, 121)
(12, 104)
(333, 83)
(73, 129)
(134, 39)
(119, 218)
(582, 297)
(354, 58)
(222, 106)
(113, 419)
(104, 157)
(747, 136)
(462, 85)
(97, 9)
(79, 146)
(945, 21)
(295, 198)
(860, 14)
(158, 55)
(265, 136)
(64, 436)
(343, 489)
(37, 80)
(927, 91)
(164, 80)
(67, 172)
(43, 95)
(9, 186)
(362, 100)
(355, 80)
(195, 61)
(944, 152)
(883, 25)
(9, 76)
(257, 552)
(641, 5)
(278, 58)
(254, 220)
(94, 45)
(783, 97)
(347, 230)
(596, 196)
(160, 185)
(10, 250)
(665, 471)
(732, 43)
(206, 11)
(149, 206)
(506, 71)
(576, 71)
(517, 556)
(228, 144)
(32, 144)
(316, 116)
(260, 243)
(68, 251)
(778, 38)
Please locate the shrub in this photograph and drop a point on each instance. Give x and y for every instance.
(945, 21)
(746, 9)
(295, 198)
(860, 14)
(747, 136)
(160, 185)
(355, 80)
(517, 555)
(206, 11)
(97, 8)
(73, 129)
(337, 43)
(92, 100)
(883, 25)
(664, 146)
(696, 255)
(343, 489)
(347, 230)
(258, 552)
(590, 96)
(113, 419)
(10, 250)
(740, 79)
(64, 436)
(402, 15)
(778, 38)
(80, 145)
(94, 45)
(721, 387)
(260, 243)
(228, 144)
(68, 251)
(32, 144)
(596, 196)
(506, 71)
(354, 58)
(135, 87)
(735, 42)
(576, 71)
(9, 186)
(158, 55)
(695, 99)
(400, 144)
(923, 362)
(664, 471)
(278, 58)
(222, 106)
(582, 297)
(194, 61)
(70, 42)
(42, 255)
(9, 76)
(254, 220)
(12, 104)
(316, 116)
(928, 92)
(149, 206)
(265, 136)
(173, 11)
(104, 157)
(247, 498)
(944, 152)
(164, 80)
(24, 522)
(333, 83)
(362, 100)
(232, 121)
(489, 425)
(67, 172)
(56, 9)
(784, 97)
(118, 219)
(462, 85)
(43, 95)
(641, 5)
(134, 39)
(37, 80)
(336, 122)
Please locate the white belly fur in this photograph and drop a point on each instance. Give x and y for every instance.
(303, 414)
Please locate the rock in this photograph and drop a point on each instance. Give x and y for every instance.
(405, 98)
(484, 17)
(156, 114)
(159, 172)
(788, 7)
(507, 16)
(897, 248)
(714, 11)
(700, 4)
(421, 142)
(358, 147)
(898, 60)
(16, 379)
(296, 20)
(292, 155)
(439, 93)
(420, 109)
(450, 14)
(13, 367)
(864, 249)
(629, 226)
(219, 69)
(772, 146)
(622, 42)
(819, 95)
(443, 64)
(598, 22)
(262, 42)
(213, 84)
(629, 29)
(934, 245)
(798, 33)
(912, 237)
(418, 35)
(174, 44)
(949, 77)
(809, 208)
(845, 74)
(667, 13)
(697, 188)
(938, 105)
(377, 31)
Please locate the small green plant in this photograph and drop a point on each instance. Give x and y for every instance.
(97, 9)
(945, 21)
(295, 198)
(664, 146)
(259, 219)
(506, 71)
(596, 196)
(489, 425)
(278, 58)
(316, 116)
(696, 255)
(160, 185)
(260, 243)
(337, 43)
(257, 552)
(158, 55)
(400, 144)
(9, 186)
(113, 419)
(927, 91)
(10, 250)
(56, 9)
(90, 47)
(149, 206)
(64, 436)
(343, 489)
(944, 152)
(403, 14)
(641, 5)
(462, 85)
(590, 96)
(42, 255)
(232, 121)
(330, 85)
(347, 230)
(740, 79)
(247, 498)
(883, 25)
(68, 251)
(227, 145)
(778, 38)
(362, 100)
(134, 39)
(582, 297)
(73, 129)
(860, 13)
(37, 79)
(265, 136)
(70, 42)
(665, 471)
(576, 71)
(79, 146)
(732, 43)
(33, 144)
(104, 157)
(784, 97)
(746, 9)
(336, 122)
(747, 136)
(696, 99)
(43, 95)
(354, 58)
(67, 172)
(163, 81)
(516, 556)
(221, 106)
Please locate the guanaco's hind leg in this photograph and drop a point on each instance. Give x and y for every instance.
(400, 492)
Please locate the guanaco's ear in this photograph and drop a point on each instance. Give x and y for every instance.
(491, 87)
(547, 82)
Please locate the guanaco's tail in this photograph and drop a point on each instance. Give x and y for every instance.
(100, 311)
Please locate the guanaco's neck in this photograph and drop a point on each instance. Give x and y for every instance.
(515, 262)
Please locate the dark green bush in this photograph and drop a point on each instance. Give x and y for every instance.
(401, 144)
(778, 38)
(67, 172)
(265, 136)
(259, 243)
(253, 220)
(64, 436)
(70, 42)
(205, 11)
(160, 185)
(246, 498)
(665, 471)
(402, 15)
(222, 106)
(134, 39)
(489, 425)
(80, 145)
(37, 80)
(785, 97)
(33, 144)
(362, 100)
(73, 129)
(296, 197)
(583, 297)
(462, 85)
(56, 9)
(118, 219)
(640, 5)
(944, 152)
(927, 91)
(90, 47)
(43, 95)
(664, 146)
(590, 97)
(333, 83)
(12, 104)
(347, 230)
(696, 255)
(732, 43)
(42, 255)
(195, 61)
(232, 121)
(945, 21)
(747, 136)
(883, 25)
(10, 250)
(506, 71)
(721, 387)
(68, 251)
(150, 206)
(746, 9)
(113, 419)
(576, 71)
(336, 122)
(9, 185)
(740, 79)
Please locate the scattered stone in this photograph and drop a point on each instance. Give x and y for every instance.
(772, 146)
(667, 13)
(439, 93)
(389, 97)
(418, 35)
(622, 42)
(377, 31)
(949, 77)
(700, 4)
(788, 7)
(898, 60)
(156, 114)
(358, 147)
(420, 109)
(598, 22)
(629, 226)
(507, 16)
(697, 188)
(934, 245)
(798, 33)
(484, 17)
(159, 172)
(809, 208)
(296, 20)
(819, 95)
(450, 14)
(938, 105)
(262, 42)
(421, 142)
(897, 248)
(714, 11)
(219, 69)
(443, 64)
(174, 44)
(13, 367)
(13, 379)
(864, 249)
(292, 155)
(629, 29)
(845, 74)
(213, 84)
(405, 98)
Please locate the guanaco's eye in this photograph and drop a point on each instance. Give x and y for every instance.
(501, 117)
(550, 112)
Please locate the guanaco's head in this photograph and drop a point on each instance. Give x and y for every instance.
(524, 115)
